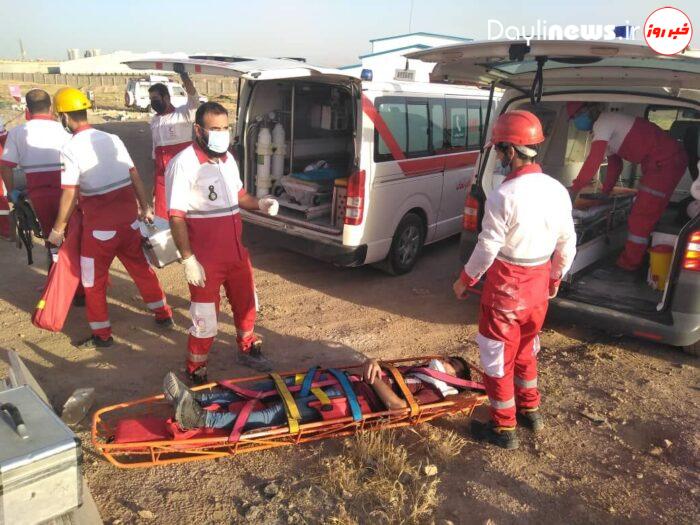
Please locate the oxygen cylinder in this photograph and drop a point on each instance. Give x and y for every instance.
(263, 152)
(279, 150)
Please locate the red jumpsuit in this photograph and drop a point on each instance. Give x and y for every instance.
(35, 147)
(205, 193)
(663, 162)
(521, 248)
(98, 164)
(171, 133)
(4, 204)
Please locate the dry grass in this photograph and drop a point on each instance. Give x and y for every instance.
(377, 481)
(441, 445)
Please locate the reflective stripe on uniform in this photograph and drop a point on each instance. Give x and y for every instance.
(106, 188)
(204, 213)
(4, 212)
(499, 405)
(97, 325)
(156, 304)
(637, 239)
(525, 383)
(650, 191)
(28, 167)
(521, 260)
(197, 358)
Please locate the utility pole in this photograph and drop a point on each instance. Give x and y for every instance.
(22, 52)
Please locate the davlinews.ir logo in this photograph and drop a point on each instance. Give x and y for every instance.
(667, 31)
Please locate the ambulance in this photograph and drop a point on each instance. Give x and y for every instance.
(542, 76)
(366, 172)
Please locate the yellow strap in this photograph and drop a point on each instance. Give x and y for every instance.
(290, 406)
(398, 378)
(299, 378)
(40, 305)
(316, 391)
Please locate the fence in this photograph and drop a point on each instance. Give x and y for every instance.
(205, 84)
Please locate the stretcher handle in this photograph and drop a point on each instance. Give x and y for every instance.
(398, 378)
(17, 420)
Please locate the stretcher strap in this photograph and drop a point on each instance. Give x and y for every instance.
(290, 406)
(446, 378)
(305, 380)
(349, 393)
(398, 379)
(241, 420)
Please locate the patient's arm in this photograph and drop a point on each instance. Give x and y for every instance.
(372, 374)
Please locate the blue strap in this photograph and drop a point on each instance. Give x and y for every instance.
(349, 393)
(308, 380)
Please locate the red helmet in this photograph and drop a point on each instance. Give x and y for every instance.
(573, 107)
(518, 127)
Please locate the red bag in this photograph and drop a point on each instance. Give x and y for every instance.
(62, 283)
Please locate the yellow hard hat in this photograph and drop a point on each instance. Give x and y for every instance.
(69, 99)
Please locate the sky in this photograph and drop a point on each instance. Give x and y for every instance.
(330, 32)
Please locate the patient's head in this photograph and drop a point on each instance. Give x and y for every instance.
(456, 366)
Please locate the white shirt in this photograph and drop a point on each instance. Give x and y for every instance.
(35, 146)
(175, 127)
(612, 128)
(96, 162)
(526, 220)
(197, 187)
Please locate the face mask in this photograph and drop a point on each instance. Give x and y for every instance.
(218, 141)
(583, 122)
(158, 106)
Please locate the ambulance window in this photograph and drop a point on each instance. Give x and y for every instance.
(417, 120)
(474, 120)
(393, 112)
(437, 121)
(457, 122)
(665, 117)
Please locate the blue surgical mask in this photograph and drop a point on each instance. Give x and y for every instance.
(218, 140)
(583, 122)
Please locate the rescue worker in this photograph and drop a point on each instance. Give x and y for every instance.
(524, 249)
(205, 192)
(35, 147)
(171, 131)
(4, 203)
(98, 173)
(624, 137)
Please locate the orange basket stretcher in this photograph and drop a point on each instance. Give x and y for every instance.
(156, 444)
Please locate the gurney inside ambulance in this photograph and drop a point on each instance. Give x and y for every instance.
(312, 404)
(301, 148)
(601, 220)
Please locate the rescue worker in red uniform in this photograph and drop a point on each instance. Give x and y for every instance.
(35, 147)
(171, 132)
(4, 203)
(99, 175)
(205, 193)
(662, 159)
(526, 245)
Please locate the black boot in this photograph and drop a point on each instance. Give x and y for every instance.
(199, 376)
(95, 342)
(531, 418)
(166, 323)
(504, 437)
(188, 413)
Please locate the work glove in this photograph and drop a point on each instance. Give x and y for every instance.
(14, 196)
(56, 238)
(194, 272)
(269, 205)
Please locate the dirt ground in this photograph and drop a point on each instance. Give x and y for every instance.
(621, 444)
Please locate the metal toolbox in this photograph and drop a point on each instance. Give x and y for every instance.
(40, 460)
(158, 243)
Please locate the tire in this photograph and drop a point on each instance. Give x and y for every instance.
(693, 349)
(406, 245)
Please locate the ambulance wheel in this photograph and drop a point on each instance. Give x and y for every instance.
(693, 349)
(405, 246)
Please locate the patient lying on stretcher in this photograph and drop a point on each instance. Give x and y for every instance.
(219, 408)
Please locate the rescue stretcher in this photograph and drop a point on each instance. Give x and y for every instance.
(140, 433)
(597, 214)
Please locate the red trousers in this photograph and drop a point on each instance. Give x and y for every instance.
(4, 213)
(98, 250)
(508, 345)
(160, 207)
(237, 280)
(659, 180)
(45, 202)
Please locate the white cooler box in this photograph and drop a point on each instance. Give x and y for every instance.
(40, 461)
(158, 243)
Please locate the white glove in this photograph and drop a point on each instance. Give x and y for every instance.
(269, 205)
(55, 238)
(194, 272)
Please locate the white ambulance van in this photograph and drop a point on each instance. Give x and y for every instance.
(626, 77)
(365, 172)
